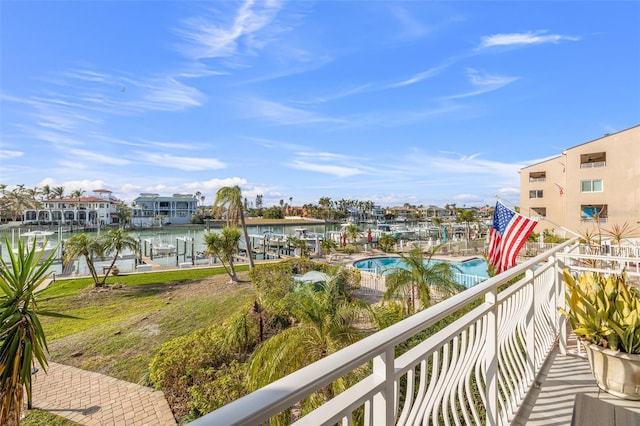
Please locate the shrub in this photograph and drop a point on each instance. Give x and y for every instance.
(184, 361)
(221, 386)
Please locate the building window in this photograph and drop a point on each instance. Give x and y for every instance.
(593, 185)
(536, 193)
(593, 159)
(540, 211)
(594, 212)
(537, 176)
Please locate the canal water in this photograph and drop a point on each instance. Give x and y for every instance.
(187, 245)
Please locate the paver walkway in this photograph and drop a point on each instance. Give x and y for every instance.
(94, 399)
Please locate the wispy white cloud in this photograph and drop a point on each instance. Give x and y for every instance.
(6, 154)
(338, 95)
(162, 94)
(216, 36)
(91, 158)
(431, 72)
(181, 163)
(523, 39)
(485, 83)
(328, 156)
(330, 169)
(411, 27)
(457, 164)
(280, 114)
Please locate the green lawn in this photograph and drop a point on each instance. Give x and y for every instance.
(116, 331)
(41, 418)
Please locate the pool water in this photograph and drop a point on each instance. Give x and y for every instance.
(469, 267)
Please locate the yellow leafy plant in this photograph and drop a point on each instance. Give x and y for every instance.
(603, 310)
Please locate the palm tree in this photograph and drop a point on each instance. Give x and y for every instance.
(22, 339)
(230, 197)
(386, 242)
(58, 192)
(353, 232)
(224, 246)
(88, 247)
(420, 279)
(124, 215)
(325, 319)
(327, 245)
(116, 240)
(77, 193)
(325, 203)
(466, 216)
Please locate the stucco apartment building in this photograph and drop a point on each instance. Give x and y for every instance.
(595, 183)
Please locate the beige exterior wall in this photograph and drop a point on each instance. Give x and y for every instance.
(583, 179)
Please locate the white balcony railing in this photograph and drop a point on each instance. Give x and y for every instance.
(476, 370)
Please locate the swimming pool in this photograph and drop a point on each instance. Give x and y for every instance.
(468, 267)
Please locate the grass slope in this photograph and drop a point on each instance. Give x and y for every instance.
(118, 329)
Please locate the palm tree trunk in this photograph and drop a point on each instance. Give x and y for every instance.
(247, 240)
(113, 262)
(94, 274)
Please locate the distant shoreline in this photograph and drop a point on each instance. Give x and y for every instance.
(272, 222)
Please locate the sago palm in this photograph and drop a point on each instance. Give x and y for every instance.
(22, 339)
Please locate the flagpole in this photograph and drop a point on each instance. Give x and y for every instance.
(564, 228)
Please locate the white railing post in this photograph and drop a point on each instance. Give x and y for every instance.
(384, 401)
(491, 358)
(560, 303)
(531, 326)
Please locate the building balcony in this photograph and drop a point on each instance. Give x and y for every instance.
(507, 358)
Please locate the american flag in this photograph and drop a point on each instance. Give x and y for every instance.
(507, 236)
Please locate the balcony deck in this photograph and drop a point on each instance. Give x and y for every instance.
(552, 399)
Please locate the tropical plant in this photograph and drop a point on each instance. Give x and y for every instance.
(241, 332)
(87, 247)
(327, 245)
(386, 242)
(185, 362)
(325, 322)
(603, 310)
(618, 233)
(466, 216)
(230, 198)
(353, 232)
(114, 242)
(299, 244)
(124, 215)
(420, 279)
(225, 247)
(22, 339)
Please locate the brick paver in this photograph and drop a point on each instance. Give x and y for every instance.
(94, 399)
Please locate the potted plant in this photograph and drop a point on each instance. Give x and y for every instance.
(604, 313)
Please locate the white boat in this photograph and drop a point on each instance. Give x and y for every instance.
(43, 245)
(161, 246)
(163, 249)
(313, 239)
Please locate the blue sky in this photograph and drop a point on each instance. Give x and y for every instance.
(425, 102)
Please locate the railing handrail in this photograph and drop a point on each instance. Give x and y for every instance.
(272, 399)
